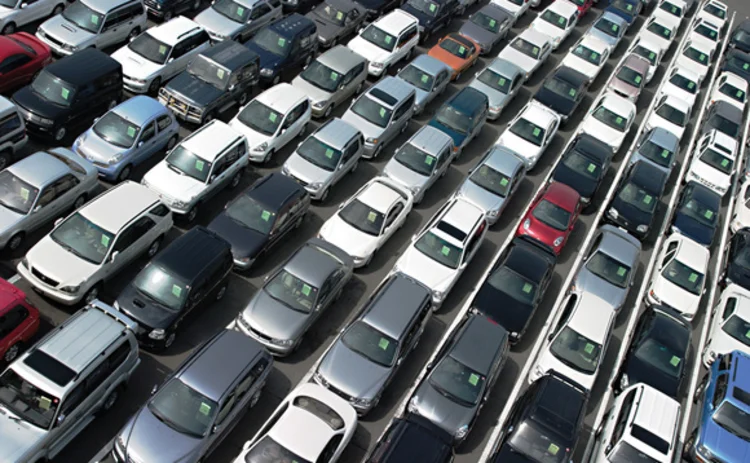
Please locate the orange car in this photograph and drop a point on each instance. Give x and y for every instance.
(457, 51)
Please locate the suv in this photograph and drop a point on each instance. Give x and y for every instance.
(96, 242)
(462, 117)
(337, 19)
(413, 438)
(165, 10)
(433, 14)
(177, 284)
(70, 93)
(217, 79)
(713, 161)
(160, 53)
(386, 41)
(206, 397)
(369, 352)
(12, 132)
(15, 13)
(202, 164)
(238, 20)
(75, 373)
(93, 24)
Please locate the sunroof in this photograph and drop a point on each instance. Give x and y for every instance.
(50, 368)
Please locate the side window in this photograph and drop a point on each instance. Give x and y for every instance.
(199, 39)
(470, 246)
(260, 11)
(622, 418)
(443, 157)
(721, 389)
(65, 184)
(275, 3)
(149, 132)
(118, 356)
(252, 376)
(352, 149)
(729, 308)
(46, 196)
(11, 320)
(233, 155)
(330, 449)
(10, 123)
(407, 35)
(136, 10)
(13, 62)
(74, 398)
(412, 332)
(226, 408)
(394, 213)
(114, 19)
(409, 102)
(440, 78)
(567, 310)
(180, 49)
(163, 122)
(160, 211)
(220, 165)
(595, 244)
(671, 248)
(143, 225)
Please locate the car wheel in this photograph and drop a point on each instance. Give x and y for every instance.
(172, 141)
(700, 388)
(154, 248)
(15, 242)
(243, 99)
(235, 181)
(328, 112)
(222, 292)
(92, 294)
(60, 134)
(276, 80)
(354, 167)
(170, 340)
(324, 196)
(209, 117)
(196, 5)
(299, 222)
(124, 173)
(5, 157)
(154, 87)
(9, 28)
(689, 444)
(80, 201)
(254, 399)
(302, 131)
(133, 34)
(192, 214)
(58, 9)
(167, 16)
(111, 400)
(12, 352)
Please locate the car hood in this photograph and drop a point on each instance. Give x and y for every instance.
(693, 229)
(632, 214)
(347, 238)
(587, 282)
(503, 309)
(712, 175)
(27, 99)
(525, 150)
(19, 439)
(738, 274)
(602, 132)
(268, 60)
(218, 24)
(608, 39)
(55, 262)
(314, 93)
(458, 137)
(164, 180)
(496, 99)
(674, 296)
(253, 138)
(479, 196)
(194, 90)
(245, 242)
(134, 65)
(547, 29)
(368, 129)
(149, 439)
(326, 29)
(441, 410)
(65, 31)
(274, 318)
(352, 373)
(558, 104)
(4, 12)
(584, 185)
(453, 61)
(306, 171)
(524, 62)
(432, 274)
(9, 219)
(404, 176)
(724, 443)
(478, 34)
(639, 371)
(549, 363)
(368, 50)
(95, 149)
(144, 310)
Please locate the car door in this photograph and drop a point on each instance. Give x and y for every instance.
(406, 42)
(129, 244)
(261, 14)
(441, 81)
(392, 222)
(292, 124)
(163, 125)
(12, 326)
(349, 84)
(112, 30)
(351, 22)
(348, 159)
(34, 10)
(15, 71)
(148, 142)
(54, 199)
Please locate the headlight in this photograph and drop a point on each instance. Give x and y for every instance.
(71, 289)
(624, 382)
(654, 296)
(115, 159)
(318, 378)
(180, 204)
(372, 141)
(412, 407)
(496, 108)
(675, 229)
(69, 47)
(246, 260)
(265, 72)
(322, 40)
(705, 452)
(438, 295)
(641, 228)
(158, 7)
(315, 185)
(514, 335)
(25, 263)
(282, 342)
(614, 213)
(284, 170)
(461, 432)
(558, 241)
(138, 81)
(77, 143)
(376, 65)
(526, 224)
(157, 334)
(320, 104)
(43, 121)
(417, 108)
(493, 213)
(261, 148)
(415, 190)
(361, 402)
(292, 2)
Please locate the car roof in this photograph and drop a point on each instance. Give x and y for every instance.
(462, 215)
(390, 90)
(474, 343)
(503, 160)
(689, 252)
(657, 413)
(539, 114)
(428, 64)
(669, 329)
(613, 17)
(570, 75)
(104, 6)
(496, 12)
(336, 133)
(430, 140)
(677, 103)
(648, 43)
(702, 194)
(395, 22)
(535, 37)
(273, 190)
(505, 68)
(591, 317)
(726, 110)
(139, 109)
(282, 97)
(189, 255)
(618, 244)
(563, 7)
(388, 311)
(663, 138)
(528, 260)
(468, 101)
(9, 47)
(700, 43)
(210, 141)
(119, 205)
(342, 5)
(558, 404)
(592, 147)
(380, 194)
(669, 20)
(741, 375)
(340, 58)
(248, 3)
(562, 195)
(636, 62)
(290, 26)
(618, 104)
(465, 41)
(648, 176)
(312, 263)
(83, 66)
(726, 144)
(594, 43)
(420, 440)
(230, 54)
(39, 168)
(734, 80)
(173, 30)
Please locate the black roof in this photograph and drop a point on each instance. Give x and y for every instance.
(290, 26)
(702, 194)
(189, 255)
(726, 110)
(274, 190)
(474, 345)
(528, 261)
(669, 330)
(571, 76)
(648, 177)
(230, 55)
(469, 101)
(342, 5)
(559, 405)
(416, 439)
(495, 11)
(592, 147)
(83, 66)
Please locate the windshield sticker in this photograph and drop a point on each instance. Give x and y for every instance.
(25, 194)
(492, 23)
(388, 39)
(615, 28)
(425, 78)
(535, 50)
(594, 56)
(629, 7)
(665, 153)
(693, 277)
(272, 117)
(591, 168)
(265, 215)
(473, 379)
(561, 20)
(618, 121)
(747, 335)
(572, 92)
(724, 162)
(691, 85)
(740, 94)
(638, 79)
(552, 449)
(339, 16)
(105, 241)
(651, 56)
(746, 66)
(708, 214)
(537, 131)
(675, 361)
(429, 160)
(220, 73)
(95, 19)
(666, 32)
(240, 11)
(334, 76)
(199, 165)
(382, 112)
(45, 403)
(371, 216)
(329, 153)
(282, 42)
(674, 10)
(176, 290)
(162, 49)
(383, 343)
(131, 132)
(433, 7)
(589, 348)
(65, 93)
(461, 50)
(702, 58)
(501, 82)
(445, 250)
(647, 199)
(306, 289)
(204, 409)
(527, 287)
(503, 182)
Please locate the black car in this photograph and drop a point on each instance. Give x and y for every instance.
(740, 39)
(638, 195)
(70, 93)
(738, 265)
(261, 216)
(432, 14)
(413, 439)
(563, 91)
(738, 62)
(186, 276)
(298, 6)
(515, 287)
(584, 165)
(724, 117)
(167, 9)
(696, 215)
(377, 8)
(545, 422)
(336, 20)
(284, 47)
(217, 79)
(657, 353)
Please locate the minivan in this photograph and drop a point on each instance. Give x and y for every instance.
(462, 117)
(12, 132)
(413, 438)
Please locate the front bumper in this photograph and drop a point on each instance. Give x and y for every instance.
(358, 407)
(375, 71)
(275, 349)
(370, 149)
(135, 86)
(55, 45)
(184, 111)
(50, 291)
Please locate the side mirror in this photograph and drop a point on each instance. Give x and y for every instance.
(58, 221)
(61, 416)
(96, 119)
(216, 429)
(398, 362)
(140, 143)
(318, 307)
(113, 256)
(359, 31)
(132, 38)
(299, 144)
(212, 179)
(550, 336)
(266, 278)
(232, 87)
(24, 5)
(170, 60)
(38, 208)
(154, 389)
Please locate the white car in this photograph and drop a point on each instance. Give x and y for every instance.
(731, 88)
(683, 84)
(741, 217)
(588, 57)
(676, 8)
(730, 322)
(706, 30)
(579, 341)
(661, 29)
(650, 51)
(557, 21)
(160, 53)
(713, 161)
(609, 120)
(94, 243)
(18, 13)
(367, 220)
(671, 113)
(273, 119)
(714, 12)
(386, 41)
(516, 8)
(202, 164)
(697, 55)
(310, 424)
(680, 278)
(439, 253)
(528, 50)
(530, 132)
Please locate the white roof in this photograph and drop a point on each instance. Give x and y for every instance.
(593, 43)
(563, 8)
(681, 3)
(116, 207)
(677, 103)
(534, 37)
(743, 299)
(700, 43)
(591, 317)
(659, 414)
(724, 141)
(689, 252)
(734, 80)
(209, 141)
(667, 20)
(379, 195)
(648, 43)
(717, 4)
(618, 105)
(462, 215)
(395, 21)
(686, 73)
(539, 114)
(170, 31)
(282, 97)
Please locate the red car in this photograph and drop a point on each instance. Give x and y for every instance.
(19, 321)
(583, 6)
(21, 56)
(552, 217)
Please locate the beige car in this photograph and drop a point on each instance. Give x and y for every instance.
(630, 78)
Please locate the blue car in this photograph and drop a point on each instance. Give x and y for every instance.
(462, 117)
(626, 9)
(126, 136)
(723, 432)
(697, 213)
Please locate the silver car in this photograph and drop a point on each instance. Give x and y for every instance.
(609, 28)
(491, 183)
(325, 157)
(429, 76)
(609, 266)
(500, 81)
(331, 79)
(238, 19)
(658, 147)
(39, 189)
(419, 162)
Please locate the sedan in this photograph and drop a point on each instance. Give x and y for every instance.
(697, 55)
(458, 52)
(584, 166)
(630, 78)
(487, 27)
(697, 213)
(22, 56)
(714, 12)
(650, 51)
(738, 264)
(706, 30)
(337, 20)
(563, 91)
(626, 9)
(725, 118)
(529, 134)
(730, 324)
(500, 81)
(552, 217)
(367, 220)
(610, 28)
(661, 29)
(528, 50)
(683, 84)
(713, 161)
(635, 203)
(588, 57)
(731, 89)
(429, 76)
(737, 62)
(657, 147)
(557, 21)
(671, 113)
(610, 120)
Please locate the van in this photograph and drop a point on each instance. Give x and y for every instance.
(413, 438)
(12, 132)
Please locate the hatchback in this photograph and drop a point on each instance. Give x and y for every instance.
(552, 217)
(487, 27)
(610, 28)
(562, 91)
(530, 133)
(683, 84)
(285, 46)
(657, 147)
(21, 56)
(661, 28)
(429, 76)
(697, 213)
(636, 201)
(386, 41)
(697, 55)
(20, 321)
(238, 20)
(630, 78)
(528, 50)
(462, 117)
(650, 51)
(557, 21)
(584, 166)
(588, 57)
(715, 12)
(501, 81)
(610, 119)
(730, 88)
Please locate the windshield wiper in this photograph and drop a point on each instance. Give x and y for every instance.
(14, 209)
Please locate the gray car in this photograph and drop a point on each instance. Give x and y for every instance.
(295, 295)
(609, 28)
(429, 76)
(488, 26)
(419, 162)
(658, 147)
(325, 157)
(41, 188)
(337, 20)
(238, 19)
(609, 266)
(369, 352)
(456, 389)
(331, 79)
(500, 81)
(199, 404)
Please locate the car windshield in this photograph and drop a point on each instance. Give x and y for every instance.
(320, 154)
(332, 14)
(644, 52)
(83, 17)
(457, 381)
(12, 3)
(587, 54)
(26, 400)
(292, 292)
(700, 212)
(672, 114)
(576, 351)
(416, 160)
(683, 276)
(626, 453)
(656, 153)
(161, 286)
(659, 30)
(623, 5)
(661, 357)
(724, 125)
(718, 161)
(671, 8)
(610, 118)
(537, 446)
(362, 217)
(525, 47)
(561, 88)
(637, 197)
(527, 130)
(148, 47)
(268, 450)
(733, 92)
(425, 6)
(378, 37)
(185, 162)
(495, 80)
(116, 130)
(683, 83)
(491, 180)
(610, 28)
(697, 56)
(260, 118)
(183, 409)
(417, 77)
(322, 76)
(630, 75)
(734, 420)
(455, 48)
(249, 213)
(450, 117)
(372, 111)
(79, 236)
(737, 62)
(439, 249)
(706, 31)
(371, 343)
(272, 42)
(738, 328)
(582, 165)
(53, 89)
(15, 194)
(552, 215)
(209, 72)
(554, 19)
(230, 9)
(485, 22)
(609, 269)
(715, 11)
(514, 285)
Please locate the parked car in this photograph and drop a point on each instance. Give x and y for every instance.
(411, 437)
(583, 5)
(626, 9)
(732, 89)
(377, 8)
(697, 55)
(462, 117)
(630, 78)
(552, 217)
(610, 119)
(165, 10)
(22, 56)
(530, 133)
(588, 57)
(650, 51)
(677, 8)
(635, 204)
(730, 320)
(337, 20)
(562, 91)
(610, 28)
(429, 76)
(584, 166)
(737, 62)
(715, 12)
(557, 21)
(741, 213)
(291, 6)
(714, 161)
(682, 84)
(20, 321)
(15, 16)
(500, 81)
(660, 28)
(657, 147)
(487, 27)
(703, 29)
(386, 41)
(725, 118)
(671, 113)
(13, 135)
(432, 14)
(515, 7)
(238, 20)
(740, 38)
(696, 213)
(458, 52)
(738, 267)
(528, 50)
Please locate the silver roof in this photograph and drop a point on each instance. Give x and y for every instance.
(394, 87)
(503, 160)
(39, 169)
(336, 133)
(505, 68)
(340, 58)
(428, 64)
(430, 140)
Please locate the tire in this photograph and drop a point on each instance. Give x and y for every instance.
(169, 340)
(15, 242)
(167, 16)
(192, 214)
(125, 173)
(60, 134)
(5, 158)
(243, 99)
(209, 117)
(58, 9)
(328, 112)
(324, 196)
(111, 400)
(235, 181)
(12, 352)
(154, 247)
(80, 201)
(134, 33)
(172, 142)
(276, 80)
(154, 87)
(9, 28)
(91, 294)
(221, 292)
